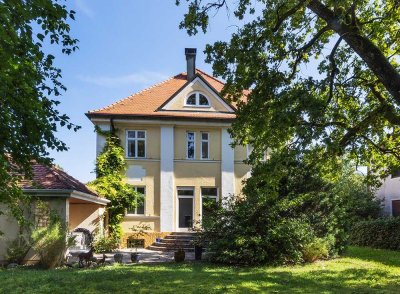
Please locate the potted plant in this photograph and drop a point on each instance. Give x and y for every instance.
(179, 254)
(118, 257)
(198, 248)
(198, 241)
(138, 231)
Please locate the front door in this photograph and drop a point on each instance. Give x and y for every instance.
(185, 208)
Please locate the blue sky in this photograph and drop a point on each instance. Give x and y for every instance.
(125, 46)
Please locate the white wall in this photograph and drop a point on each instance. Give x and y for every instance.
(390, 190)
(227, 166)
(101, 140)
(167, 179)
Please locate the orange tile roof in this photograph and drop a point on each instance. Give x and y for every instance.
(146, 103)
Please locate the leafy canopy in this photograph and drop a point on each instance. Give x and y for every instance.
(323, 74)
(30, 85)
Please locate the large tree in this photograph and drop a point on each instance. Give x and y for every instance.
(322, 74)
(29, 87)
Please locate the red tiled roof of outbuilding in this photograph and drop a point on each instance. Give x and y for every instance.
(53, 178)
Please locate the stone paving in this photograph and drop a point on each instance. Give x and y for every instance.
(145, 256)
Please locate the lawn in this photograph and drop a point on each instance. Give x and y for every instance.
(361, 270)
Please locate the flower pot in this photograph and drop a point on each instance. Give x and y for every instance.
(179, 256)
(135, 257)
(118, 257)
(198, 251)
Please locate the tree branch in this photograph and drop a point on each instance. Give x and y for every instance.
(365, 48)
(307, 46)
(288, 13)
(382, 149)
(334, 70)
(353, 131)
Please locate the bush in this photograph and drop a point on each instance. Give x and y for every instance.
(105, 244)
(17, 250)
(290, 208)
(318, 248)
(52, 241)
(382, 233)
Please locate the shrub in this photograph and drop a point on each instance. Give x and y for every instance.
(380, 233)
(17, 250)
(52, 241)
(104, 244)
(318, 248)
(289, 205)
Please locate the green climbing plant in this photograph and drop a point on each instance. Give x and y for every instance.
(110, 182)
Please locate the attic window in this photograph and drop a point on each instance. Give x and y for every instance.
(197, 99)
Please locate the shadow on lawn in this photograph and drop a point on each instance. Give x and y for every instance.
(198, 278)
(386, 257)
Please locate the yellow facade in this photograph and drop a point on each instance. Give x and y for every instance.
(191, 173)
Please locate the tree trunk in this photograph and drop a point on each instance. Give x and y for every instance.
(364, 47)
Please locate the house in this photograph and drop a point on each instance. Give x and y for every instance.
(77, 205)
(389, 192)
(177, 148)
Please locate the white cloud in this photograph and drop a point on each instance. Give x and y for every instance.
(83, 7)
(145, 78)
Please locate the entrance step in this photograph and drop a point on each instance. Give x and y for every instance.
(175, 241)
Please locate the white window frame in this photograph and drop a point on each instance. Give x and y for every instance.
(144, 203)
(201, 198)
(208, 145)
(197, 93)
(249, 150)
(194, 145)
(136, 139)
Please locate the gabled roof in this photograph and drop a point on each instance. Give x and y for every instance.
(148, 103)
(52, 178)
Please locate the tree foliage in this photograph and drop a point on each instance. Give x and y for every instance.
(30, 85)
(293, 210)
(322, 73)
(110, 182)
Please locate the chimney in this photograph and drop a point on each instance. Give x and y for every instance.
(190, 63)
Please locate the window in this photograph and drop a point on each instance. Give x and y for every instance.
(185, 207)
(139, 208)
(191, 100)
(203, 101)
(190, 152)
(205, 146)
(198, 100)
(136, 144)
(249, 148)
(396, 173)
(209, 198)
(395, 207)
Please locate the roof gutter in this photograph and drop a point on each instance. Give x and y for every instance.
(158, 117)
(67, 193)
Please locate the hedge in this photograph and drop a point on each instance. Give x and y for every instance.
(382, 233)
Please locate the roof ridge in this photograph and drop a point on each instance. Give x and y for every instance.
(134, 94)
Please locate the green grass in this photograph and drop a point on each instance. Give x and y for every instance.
(361, 270)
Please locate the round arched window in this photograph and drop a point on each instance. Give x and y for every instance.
(197, 99)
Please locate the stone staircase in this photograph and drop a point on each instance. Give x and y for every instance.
(175, 241)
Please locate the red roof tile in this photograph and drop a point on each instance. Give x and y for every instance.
(146, 103)
(53, 178)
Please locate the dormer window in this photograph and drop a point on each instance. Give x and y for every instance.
(197, 99)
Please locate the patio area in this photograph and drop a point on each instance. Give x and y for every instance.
(146, 256)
